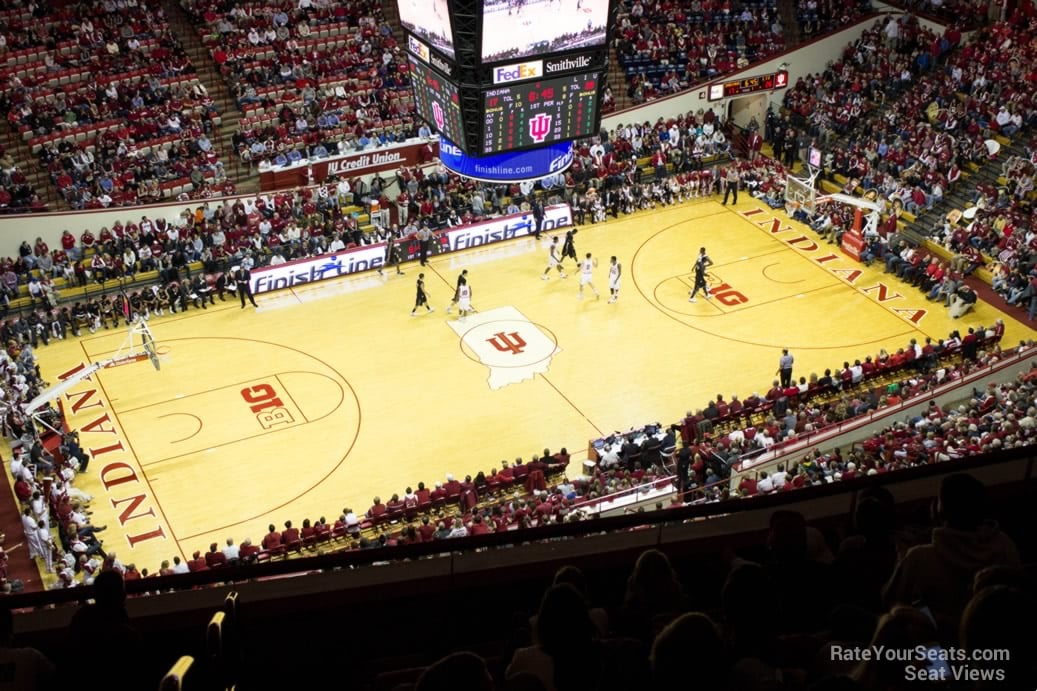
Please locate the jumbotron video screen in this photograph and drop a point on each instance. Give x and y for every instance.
(516, 29)
(429, 20)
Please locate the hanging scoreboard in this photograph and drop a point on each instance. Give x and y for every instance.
(436, 99)
(497, 76)
(529, 114)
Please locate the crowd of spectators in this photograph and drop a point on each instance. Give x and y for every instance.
(309, 76)
(57, 528)
(950, 102)
(827, 598)
(665, 48)
(911, 150)
(733, 430)
(110, 102)
(967, 13)
(933, 590)
(16, 194)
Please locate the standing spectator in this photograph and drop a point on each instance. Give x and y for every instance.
(785, 368)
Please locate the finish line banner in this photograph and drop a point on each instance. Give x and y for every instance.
(511, 166)
(359, 259)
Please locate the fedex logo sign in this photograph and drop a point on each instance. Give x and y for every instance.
(519, 72)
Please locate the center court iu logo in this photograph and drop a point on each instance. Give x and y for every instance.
(437, 115)
(540, 127)
(504, 340)
(507, 343)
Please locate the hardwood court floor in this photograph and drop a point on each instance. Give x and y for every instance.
(331, 394)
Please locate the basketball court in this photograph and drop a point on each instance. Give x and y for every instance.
(331, 394)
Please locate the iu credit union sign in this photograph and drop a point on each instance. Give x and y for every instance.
(349, 165)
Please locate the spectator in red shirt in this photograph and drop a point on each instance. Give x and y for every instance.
(747, 486)
(377, 508)
(423, 495)
(477, 526)
(290, 534)
(395, 504)
(452, 487)
(215, 558)
(272, 540)
(426, 530)
(197, 563)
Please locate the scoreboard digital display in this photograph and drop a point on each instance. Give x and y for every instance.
(749, 85)
(436, 100)
(530, 114)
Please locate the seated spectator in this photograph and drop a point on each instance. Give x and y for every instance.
(565, 656)
(231, 552)
(214, 558)
(998, 618)
(26, 668)
(690, 642)
(654, 597)
(456, 671)
(941, 573)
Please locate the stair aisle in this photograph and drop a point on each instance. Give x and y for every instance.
(244, 177)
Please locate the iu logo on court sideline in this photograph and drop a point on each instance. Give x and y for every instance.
(506, 343)
(540, 127)
(502, 339)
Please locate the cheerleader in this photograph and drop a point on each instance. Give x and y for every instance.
(693, 185)
(597, 210)
(706, 180)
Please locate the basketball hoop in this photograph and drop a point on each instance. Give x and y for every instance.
(129, 353)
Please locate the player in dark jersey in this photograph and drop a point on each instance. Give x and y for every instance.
(392, 255)
(422, 297)
(460, 279)
(702, 262)
(569, 247)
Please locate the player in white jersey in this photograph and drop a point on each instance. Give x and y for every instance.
(587, 276)
(615, 272)
(464, 299)
(453, 301)
(554, 260)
